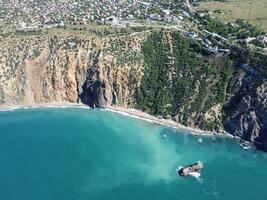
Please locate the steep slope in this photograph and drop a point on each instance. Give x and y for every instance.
(183, 81)
(57, 68)
(159, 72)
(246, 111)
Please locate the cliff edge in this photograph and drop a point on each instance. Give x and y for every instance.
(160, 72)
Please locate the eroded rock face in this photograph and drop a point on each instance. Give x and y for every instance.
(246, 112)
(96, 94)
(99, 71)
(96, 91)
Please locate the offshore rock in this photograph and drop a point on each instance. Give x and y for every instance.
(191, 169)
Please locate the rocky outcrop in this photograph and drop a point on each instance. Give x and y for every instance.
(96, 92)
(246, 111)
(191, 169)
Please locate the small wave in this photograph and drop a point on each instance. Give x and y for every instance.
(196, 175)
(78, 106)
(6, 109)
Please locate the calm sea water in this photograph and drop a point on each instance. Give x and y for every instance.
(76, 154)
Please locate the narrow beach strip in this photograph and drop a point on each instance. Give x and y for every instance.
(131, 112)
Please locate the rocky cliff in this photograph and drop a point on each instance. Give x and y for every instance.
(246, 110)
(98, 71)
(161, 73)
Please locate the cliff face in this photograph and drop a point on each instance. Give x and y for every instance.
(97, 71)
(37, 70)
(160, 73)
(246, 111)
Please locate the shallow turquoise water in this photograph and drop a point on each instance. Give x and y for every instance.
(76, 154)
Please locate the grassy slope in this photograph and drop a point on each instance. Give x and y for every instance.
(252, 11)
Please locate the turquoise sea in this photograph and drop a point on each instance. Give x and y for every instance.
(83, 154)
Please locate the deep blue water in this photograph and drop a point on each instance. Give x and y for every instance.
(77, 154)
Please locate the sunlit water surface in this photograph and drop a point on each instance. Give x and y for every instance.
(81, 154)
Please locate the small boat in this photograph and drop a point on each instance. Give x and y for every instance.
(191, 170)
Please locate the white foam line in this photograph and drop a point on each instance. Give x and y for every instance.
(154, 120)
(13, 108)
(130, 115)
(123, 111)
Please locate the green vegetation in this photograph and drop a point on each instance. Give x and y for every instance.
(28, 33)
(242, 30)
(154, 95)
(36, 53)
(216, 26)
(180, 80)
(246, 30)
(256, 60)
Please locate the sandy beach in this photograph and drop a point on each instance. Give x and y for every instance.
(131, 112)
(161, 121)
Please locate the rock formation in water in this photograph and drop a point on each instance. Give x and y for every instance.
(160, 73)
(191, 169)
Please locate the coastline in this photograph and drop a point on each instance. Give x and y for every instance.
(43, 105)
(131, 112)
(135, 113)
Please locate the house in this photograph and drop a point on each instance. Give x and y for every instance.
(213, 49)
(192, 35)
(207, 42)
(155, 16)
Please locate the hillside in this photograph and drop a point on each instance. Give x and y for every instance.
(158, 71)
